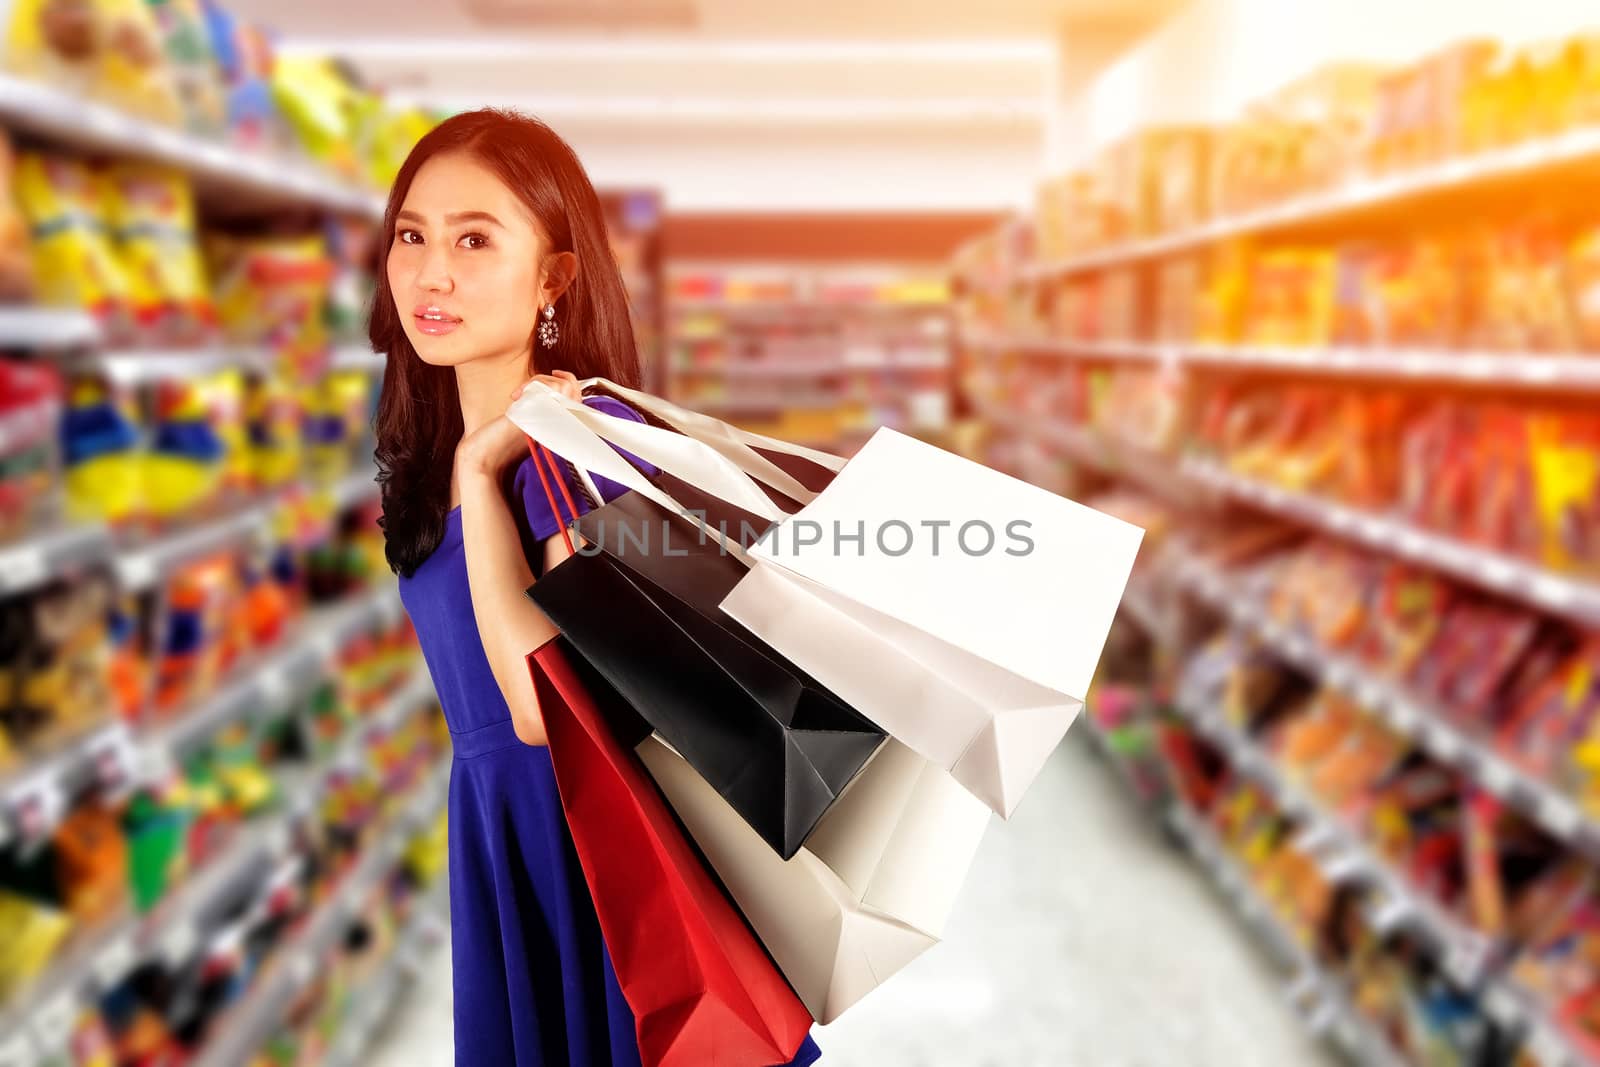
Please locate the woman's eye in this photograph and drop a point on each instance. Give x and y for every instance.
(410, 237)
(474, 240)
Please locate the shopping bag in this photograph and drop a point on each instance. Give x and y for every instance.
(870, 891)
(976, 652)
(777, 746)
(977, 662)
(701, 988)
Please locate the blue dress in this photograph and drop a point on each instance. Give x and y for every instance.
(533, 982)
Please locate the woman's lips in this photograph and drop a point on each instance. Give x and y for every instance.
(435, 323)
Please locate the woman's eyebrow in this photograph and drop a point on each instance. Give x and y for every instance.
(454, 218)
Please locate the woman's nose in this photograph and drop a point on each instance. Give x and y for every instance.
(433, 273)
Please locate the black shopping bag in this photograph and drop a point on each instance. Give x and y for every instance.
(642, 609)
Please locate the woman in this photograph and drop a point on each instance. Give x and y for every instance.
(497, 267)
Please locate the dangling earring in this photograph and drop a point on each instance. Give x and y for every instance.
(549, 332)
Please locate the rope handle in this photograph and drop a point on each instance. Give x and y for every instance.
(541, 456)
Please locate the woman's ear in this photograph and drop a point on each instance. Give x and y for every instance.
(560, 269)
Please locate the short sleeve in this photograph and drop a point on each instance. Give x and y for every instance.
(537, 521)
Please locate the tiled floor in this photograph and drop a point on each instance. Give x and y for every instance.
(1081, 940)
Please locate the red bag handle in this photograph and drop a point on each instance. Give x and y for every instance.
(541, 456)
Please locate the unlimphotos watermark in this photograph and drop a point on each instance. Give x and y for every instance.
(892, 537)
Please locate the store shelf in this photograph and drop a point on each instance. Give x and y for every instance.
(358, 357)
(41, 327)
(54, 550)
(65, 548)
(1342, 855)
(1144, 604)
(73, 122)
(1518, 579)
(376, 999)
(1523, 370)
(253, 1020)
(282, 675)
(32, 795)
(100, 956)
(1407, 713)
(1522, 161)
(1109, 351)
(1122, 459)
(1325, 1005)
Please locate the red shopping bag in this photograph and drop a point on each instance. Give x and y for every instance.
(702, 989)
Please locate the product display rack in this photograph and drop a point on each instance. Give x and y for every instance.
(816, 352)
(69, 121)
(37, 1020)
(1079, 345)
(101, 956)
(251, 1021)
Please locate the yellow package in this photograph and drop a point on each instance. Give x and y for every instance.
(30, 932)
(1566, 473)
(16, 253)
(75, 264)
(108, 49)
(319, 104)
(273, 415)
(152, 221)
(271, 291)
(397, 134)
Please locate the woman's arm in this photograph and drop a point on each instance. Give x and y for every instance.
(509, 623)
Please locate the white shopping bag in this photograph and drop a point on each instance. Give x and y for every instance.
(975, 651)
(976, 660)
(868, 893)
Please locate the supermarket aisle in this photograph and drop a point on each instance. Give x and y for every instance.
(1082, 940)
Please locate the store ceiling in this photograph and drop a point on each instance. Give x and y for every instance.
(663, 82)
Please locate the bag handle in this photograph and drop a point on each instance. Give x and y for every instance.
(541, 456)
(581, 434)
(731, 442)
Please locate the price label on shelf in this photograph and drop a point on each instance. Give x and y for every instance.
(115, 961)
(179, 942)
(116, 760)
(23, 566)
(1404, 715)
(273, 685)
(18, 1050)
(1547, 1047)
(35, 805)
(1495, 776)
(54, 1021)
(1445, 744)
(1560, 816)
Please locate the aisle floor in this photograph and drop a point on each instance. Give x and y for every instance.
(1082, 939)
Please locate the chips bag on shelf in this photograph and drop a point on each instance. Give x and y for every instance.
(322, 107)
(74, 258)
(152, 219)
(102, 443)
(186, 49)
(272, 291)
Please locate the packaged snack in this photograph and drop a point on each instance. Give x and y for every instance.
(271, 291)
(109, 49)
(186, 49)
(74, 258)
(102, 449)
(16, 255)
(1565, 451)
(152, 220)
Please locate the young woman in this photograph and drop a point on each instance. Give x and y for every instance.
(496, 268)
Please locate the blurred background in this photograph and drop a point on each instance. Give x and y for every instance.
(1310, 291)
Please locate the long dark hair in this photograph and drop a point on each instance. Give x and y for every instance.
(419, 411)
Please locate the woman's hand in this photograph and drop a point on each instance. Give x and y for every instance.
(490, 448)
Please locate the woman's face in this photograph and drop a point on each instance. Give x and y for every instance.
(464, 265)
